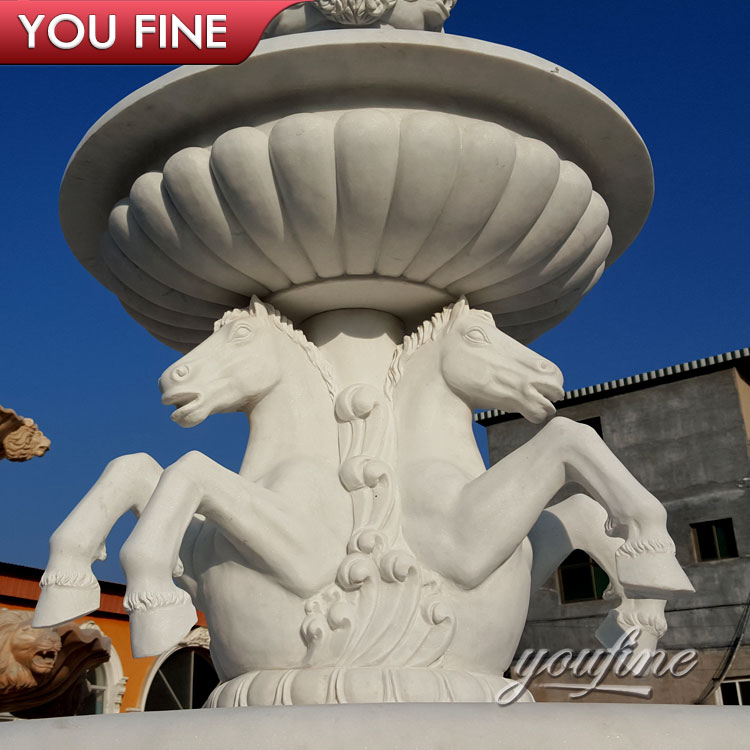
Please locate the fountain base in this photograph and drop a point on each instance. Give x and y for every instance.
(416, 726)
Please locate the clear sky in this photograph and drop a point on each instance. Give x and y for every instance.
(74, 361)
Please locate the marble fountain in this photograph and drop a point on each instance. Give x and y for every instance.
(352, 237)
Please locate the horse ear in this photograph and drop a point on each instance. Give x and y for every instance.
(460, 306)
(257, 307)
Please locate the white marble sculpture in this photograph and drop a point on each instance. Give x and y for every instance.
(419, 231)
(362, 553)
(420, 15)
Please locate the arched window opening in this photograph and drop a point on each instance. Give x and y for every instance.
(96, 684)
(183, 680)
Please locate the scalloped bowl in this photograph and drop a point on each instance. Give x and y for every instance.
(376, 197)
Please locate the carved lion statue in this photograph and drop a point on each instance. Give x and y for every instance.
(20, 438)
(43, 670)
(27, 655)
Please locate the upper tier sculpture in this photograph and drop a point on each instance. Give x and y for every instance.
(356, 182)
(320, 15)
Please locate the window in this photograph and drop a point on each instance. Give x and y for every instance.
(714, 540)
(184, 680)
(104, 684)
(580, 578)
(735, 692)
(96, 682)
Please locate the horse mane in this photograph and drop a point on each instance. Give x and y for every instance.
(259, 308)
(427, 331)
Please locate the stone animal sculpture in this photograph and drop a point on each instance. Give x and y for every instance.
(20, 437)
(471, 525)
(27, 655)
(42, 669)
(266, 539)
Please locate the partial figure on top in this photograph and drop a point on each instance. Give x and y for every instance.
(322, 15)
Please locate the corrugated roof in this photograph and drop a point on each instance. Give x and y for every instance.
(643, 379)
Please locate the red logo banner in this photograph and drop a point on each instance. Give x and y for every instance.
(143, 32)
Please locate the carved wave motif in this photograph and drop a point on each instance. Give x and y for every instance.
(352, 196)
(383, 607)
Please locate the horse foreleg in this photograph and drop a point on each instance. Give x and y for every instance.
(515, 491)
(186, 575)
(578, 523)
(271, 530)
(645, 562)
(575, 523)
(69, 588)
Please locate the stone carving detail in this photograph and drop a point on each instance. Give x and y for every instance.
(384, 607)
(41, 668)
(196, 637)
(20, 438)
(419, 15)
(385, 556)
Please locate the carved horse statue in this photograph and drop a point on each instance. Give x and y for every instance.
(475, 527)
(248, 547)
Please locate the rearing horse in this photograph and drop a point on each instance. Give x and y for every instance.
(472, 525)
(263, 540)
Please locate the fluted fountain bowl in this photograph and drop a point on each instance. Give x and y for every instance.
(392, 170)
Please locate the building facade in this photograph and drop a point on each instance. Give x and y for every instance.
(684, 432)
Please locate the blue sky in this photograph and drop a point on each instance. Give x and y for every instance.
(75, 362)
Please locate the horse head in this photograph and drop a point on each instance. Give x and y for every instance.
(486, 367)
(482, 365)
(243, 360)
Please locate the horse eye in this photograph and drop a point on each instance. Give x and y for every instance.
(241, 332)
(476, 336)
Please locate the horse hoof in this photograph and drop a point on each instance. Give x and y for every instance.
(652, 574)
(154, 630)
(60, 603)
(617, 625)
